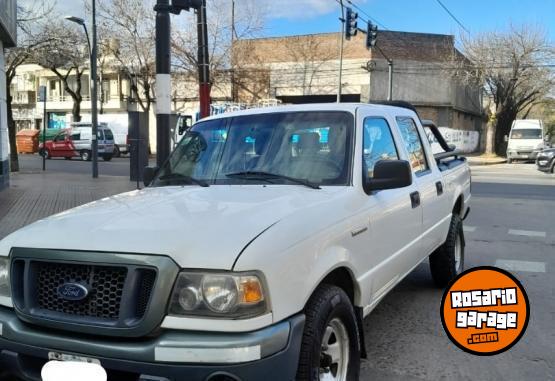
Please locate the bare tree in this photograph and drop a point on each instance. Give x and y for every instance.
(223, 30)
(29, 21)
(133, 24)
(66, 54)
(510, 66)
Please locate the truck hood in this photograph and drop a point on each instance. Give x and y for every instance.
(197, 227)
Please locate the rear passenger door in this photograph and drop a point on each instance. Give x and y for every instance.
(429, 181)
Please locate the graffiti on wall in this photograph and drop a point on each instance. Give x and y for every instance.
(465, 141)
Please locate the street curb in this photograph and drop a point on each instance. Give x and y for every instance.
(481, 163)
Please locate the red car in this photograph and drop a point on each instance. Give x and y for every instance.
(76, 141)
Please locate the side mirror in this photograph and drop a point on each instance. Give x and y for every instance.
(148, 175)
(389, 174)
(506, 138)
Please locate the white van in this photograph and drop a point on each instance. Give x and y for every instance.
(525, 140)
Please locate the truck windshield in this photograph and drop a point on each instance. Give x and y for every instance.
(303, 148)
(526, 133)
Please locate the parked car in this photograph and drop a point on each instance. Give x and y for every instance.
(77, 142)
(254, 253)
(546, 160)
(526, 140)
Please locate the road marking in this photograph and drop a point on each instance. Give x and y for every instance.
(527, 233)
(469, 229)
(511, 265)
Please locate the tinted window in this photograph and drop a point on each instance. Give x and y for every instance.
(413, 143)
(99, 135)
(314, 146)
(528, 133)
(378, 143)
(76, 136)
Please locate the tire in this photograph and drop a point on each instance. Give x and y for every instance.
(117, 152)
(448, 260)
(509, 161)
(46, 154)
(329, 316)
(107, 157)
(85, 155)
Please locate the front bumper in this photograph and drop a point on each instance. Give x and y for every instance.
(270, 353)
(545, 163)
(523, 155)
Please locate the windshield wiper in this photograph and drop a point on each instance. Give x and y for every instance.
(255, 175)
(183, 179)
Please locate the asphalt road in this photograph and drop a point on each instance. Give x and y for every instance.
(405, 338)
(512, 218)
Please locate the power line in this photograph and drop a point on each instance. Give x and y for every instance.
(366, 14)
(452, 16)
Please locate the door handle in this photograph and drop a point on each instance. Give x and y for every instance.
(415, 199)
(439, 188)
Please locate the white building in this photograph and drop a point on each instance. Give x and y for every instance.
(7, 39)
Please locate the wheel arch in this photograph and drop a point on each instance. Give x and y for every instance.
(458, 208)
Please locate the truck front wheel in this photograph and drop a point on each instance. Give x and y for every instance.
(448, 260)
(330, 348)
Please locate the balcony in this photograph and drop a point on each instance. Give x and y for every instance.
(22, 98)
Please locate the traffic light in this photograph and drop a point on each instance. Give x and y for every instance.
(350, 24)
(371, 35)
(178, 5)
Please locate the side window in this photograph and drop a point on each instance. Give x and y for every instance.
(413, 143)
(377, 143)
(76, 136)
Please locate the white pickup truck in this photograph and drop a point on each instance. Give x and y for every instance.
(254, 253)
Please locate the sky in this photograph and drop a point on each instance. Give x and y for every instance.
(288, 17)
(426, 16)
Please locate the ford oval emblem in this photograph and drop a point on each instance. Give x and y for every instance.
(73, 291)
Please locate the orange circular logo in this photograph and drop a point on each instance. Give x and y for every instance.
(485, 311)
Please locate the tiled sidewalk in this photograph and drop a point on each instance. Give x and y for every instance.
(32, 196)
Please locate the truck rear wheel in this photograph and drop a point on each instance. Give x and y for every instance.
(330, 348)
(448, 260)
(85, 155)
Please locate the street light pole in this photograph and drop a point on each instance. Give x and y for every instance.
(92, 65)
(94, 95)
(342, 37)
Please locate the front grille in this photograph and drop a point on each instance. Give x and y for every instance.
(117, 295)
(106, 288)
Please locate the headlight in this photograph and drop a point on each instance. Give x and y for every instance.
(4, 278)
(226, 295)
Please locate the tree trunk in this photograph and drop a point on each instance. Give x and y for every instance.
(490, 138)
(76, 110)
(14, 159)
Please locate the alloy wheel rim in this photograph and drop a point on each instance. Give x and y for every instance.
(334, 355)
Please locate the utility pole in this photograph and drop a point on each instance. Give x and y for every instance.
(94, 96)
(390, 80)
(203, 61)
(342, 37)
(233, 89)
(163, 81)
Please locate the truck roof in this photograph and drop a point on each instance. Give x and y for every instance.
(527, 123)
(350, 107)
